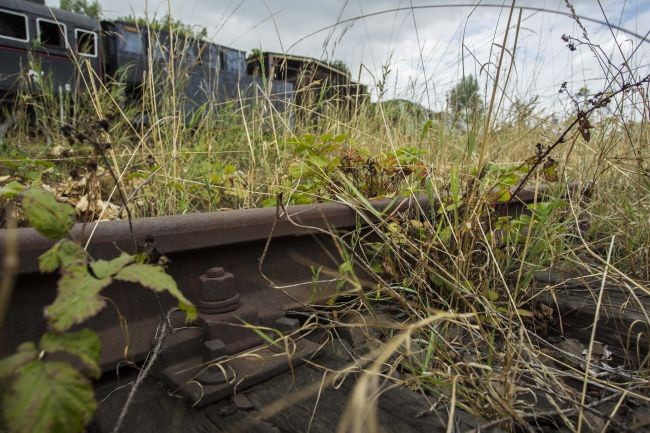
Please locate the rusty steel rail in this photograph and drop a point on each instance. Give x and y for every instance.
(196, 243)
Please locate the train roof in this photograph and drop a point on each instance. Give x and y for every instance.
(41, 10)
(165, 32)
(304, 59)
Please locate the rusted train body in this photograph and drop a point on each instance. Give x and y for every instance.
(40, 45)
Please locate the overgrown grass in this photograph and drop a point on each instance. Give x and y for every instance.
(451, 287)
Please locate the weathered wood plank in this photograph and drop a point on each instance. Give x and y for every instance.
(154, 410)
(623, 323)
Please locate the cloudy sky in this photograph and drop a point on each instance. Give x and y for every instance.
(421, 48)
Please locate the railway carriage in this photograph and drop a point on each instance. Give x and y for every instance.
(207, 73)
(42, 46)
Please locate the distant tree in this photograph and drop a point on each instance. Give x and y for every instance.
(340, 65)
(167, 24)
(256, 53)
(583, 92)
(92, 8)
(465, 100)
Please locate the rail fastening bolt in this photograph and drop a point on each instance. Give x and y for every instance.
(218, 285)
(219, 293)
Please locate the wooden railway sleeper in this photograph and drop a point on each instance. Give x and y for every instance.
(229, 348)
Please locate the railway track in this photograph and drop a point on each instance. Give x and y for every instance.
(194, 244)
(259, 262)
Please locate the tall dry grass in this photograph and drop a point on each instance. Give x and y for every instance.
(451, 288)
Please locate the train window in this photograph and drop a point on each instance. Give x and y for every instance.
(13, 26)
(189, 54)
(159, 52)
(215, 57)
(192, 52)
(233, 60)
(132, 41)
(86, 42)
(51, 34)
(161, 47)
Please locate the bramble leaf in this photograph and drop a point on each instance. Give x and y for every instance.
(49, 260)
(65, 253)
(510, 179)
(51, 218)
(297, 169)
(503, 195)
(26, 352)
(270, 202)
(525, 313)
(49, 397)
(78, 298)
(71, 253)
(83, 344)
(550, 170)
(156, 279)
(104, 268)
(11, 190)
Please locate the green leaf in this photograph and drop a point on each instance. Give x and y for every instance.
(502, 195)
(84, 344)
(346, 268)
(11, 190)
(510, 179)
(49, 260)
(78, 298)
(550, 170)
(71, 253)
(26, 352)
(340, 138)
(445, 234)
(454, 206)
(550, 174)
(492, 295)
(318, 161)
(51, 218)
(525, 313)
(156, 279)
(270, 202)
(49, 397)
(104, 268)
(64, 254)
(297, 169)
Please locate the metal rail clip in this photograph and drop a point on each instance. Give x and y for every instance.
(232, 348)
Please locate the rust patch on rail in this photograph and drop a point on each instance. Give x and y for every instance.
(234, 240)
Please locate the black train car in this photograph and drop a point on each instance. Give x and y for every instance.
(48, 45)
(44, 45)
(315, 82)
(207, 73)
(125, 51)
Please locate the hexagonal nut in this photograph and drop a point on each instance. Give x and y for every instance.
(218, 288)
(286, 324)
(213, 349)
